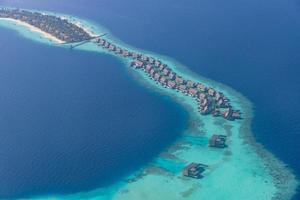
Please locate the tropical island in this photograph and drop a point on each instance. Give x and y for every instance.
(55, 26)
(223, 154)
(209, 100)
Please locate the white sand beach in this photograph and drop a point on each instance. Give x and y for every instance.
(244, 170)
(35, 29)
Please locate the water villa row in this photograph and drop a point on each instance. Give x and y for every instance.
(195, 170)
(57, 27)
(209, 100)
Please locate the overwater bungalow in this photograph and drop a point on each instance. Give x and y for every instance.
(152, 71)
(118, 50)
(201, 87)
(179, 80)
(111, 47)
(157, 63)
(220, 103)
(172, 76)
(218, 95)
(182, 88)
(102, 42)
(125, 53)
(193, 92)
(148, 68)
(210, 100)
(98, 40)
(135, 55)
(166, 71)
(106, 45)
(151, 60)
(156, 76)
(211, 92)
(162, 67)
(201, 95)
(204, 110)
(171, 84)
(216, 112)
(228, 114)
(236, 114)
(190, 83)
(194, 170)
(204, 102)
(218, 141)
(225, 99)
(144, 58)
(137, 64)
(162, 80)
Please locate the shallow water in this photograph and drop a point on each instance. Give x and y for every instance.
(223, 50)
(68, 121)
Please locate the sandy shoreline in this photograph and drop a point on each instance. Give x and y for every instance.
(80, 25)
(90, 32)
(47, 35)
(284, 180)
(34, 29)
(275, 168)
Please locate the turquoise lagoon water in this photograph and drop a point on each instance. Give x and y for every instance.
(244, 170)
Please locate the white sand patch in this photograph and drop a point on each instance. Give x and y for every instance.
(34, 29)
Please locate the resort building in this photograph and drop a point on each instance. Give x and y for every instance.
(171, 84)
(193, 170)
(217, 141)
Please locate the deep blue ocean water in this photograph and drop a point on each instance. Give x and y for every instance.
(251, 45)
(73, 121)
